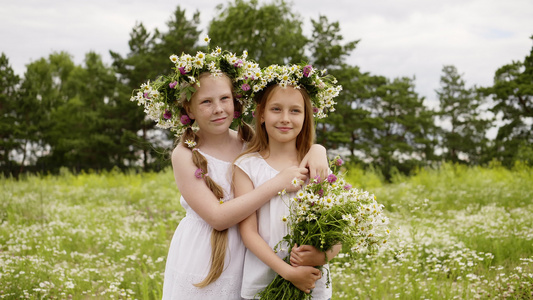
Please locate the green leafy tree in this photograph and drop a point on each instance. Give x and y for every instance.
(137, 67)
(148, 58)
(377, 121)
(42, 91)
(353, 123)
(326, 44)
(182, 36)
(406, 137)
(329, 52)
(10, 123)
(271, 33)
(86, 130)
(464, 135)
(383, 123)
(512, 93)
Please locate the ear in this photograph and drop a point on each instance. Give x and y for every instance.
(189, 113)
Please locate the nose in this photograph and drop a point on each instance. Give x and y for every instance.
(218, 107)
(285, 117)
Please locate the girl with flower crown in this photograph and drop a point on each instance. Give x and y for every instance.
(206, 253)
(284, 133)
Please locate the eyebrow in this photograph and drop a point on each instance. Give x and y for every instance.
(292, 105)
(208, 96)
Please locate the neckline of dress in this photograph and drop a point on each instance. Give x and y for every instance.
(266, 163)
(218, 159)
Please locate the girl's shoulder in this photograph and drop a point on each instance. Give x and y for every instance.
(180, 154)
(249, 157)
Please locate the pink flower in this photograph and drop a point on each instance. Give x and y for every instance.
(238, 96)
(238, 64)
(198, 173)
(307, 70)
(185, 120)
(236, 114)
(348, 187)
(318, 179)
(339, 162)
(315, 110)
(173, 84)
(146, 95)
(167, 115)
(321, 192)
(182, 70)
(332, 178)
(245, 87)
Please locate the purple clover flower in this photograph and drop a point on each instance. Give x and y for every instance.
(339, 162)
(172, 84)
(185, 120)
(245, 87)
(236, 114)
(348, 187)
(198, 173)
(182, 70)
(332, 178)
(167, 115)
(317, 179)
(307, 70)
(238, 64)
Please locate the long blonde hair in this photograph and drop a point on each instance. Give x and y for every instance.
(219, 239)
(305, 138)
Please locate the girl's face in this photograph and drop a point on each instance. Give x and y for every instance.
(212, 104)
(284, 114)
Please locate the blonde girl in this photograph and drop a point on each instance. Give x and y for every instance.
(206, 253)
(284, 133)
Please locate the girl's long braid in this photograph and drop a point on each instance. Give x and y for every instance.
(219, 239)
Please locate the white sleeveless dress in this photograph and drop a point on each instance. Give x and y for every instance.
(188, 260)
(256, 274)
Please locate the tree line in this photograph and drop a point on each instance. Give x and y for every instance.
(63, 115)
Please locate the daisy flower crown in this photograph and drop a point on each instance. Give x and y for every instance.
(322, 88)
(161, 98)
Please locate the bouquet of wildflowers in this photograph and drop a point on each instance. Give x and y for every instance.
(325, 213)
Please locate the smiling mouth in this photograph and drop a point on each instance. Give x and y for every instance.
(219, 120)
(284, 128)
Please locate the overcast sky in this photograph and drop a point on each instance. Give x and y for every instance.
(398, 37)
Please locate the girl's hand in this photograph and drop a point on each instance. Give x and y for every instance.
(287, 176)
(307, 255)
(317, 161)
(303, 277)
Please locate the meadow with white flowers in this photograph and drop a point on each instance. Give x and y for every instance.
(456, 233)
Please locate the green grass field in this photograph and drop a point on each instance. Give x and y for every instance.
(457, 233)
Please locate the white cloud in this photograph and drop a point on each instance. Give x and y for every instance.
(398, 38)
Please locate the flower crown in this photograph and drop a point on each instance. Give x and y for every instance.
(321, 88)
(161, 98)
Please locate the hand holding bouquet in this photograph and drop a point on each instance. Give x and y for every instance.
(325, 213)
